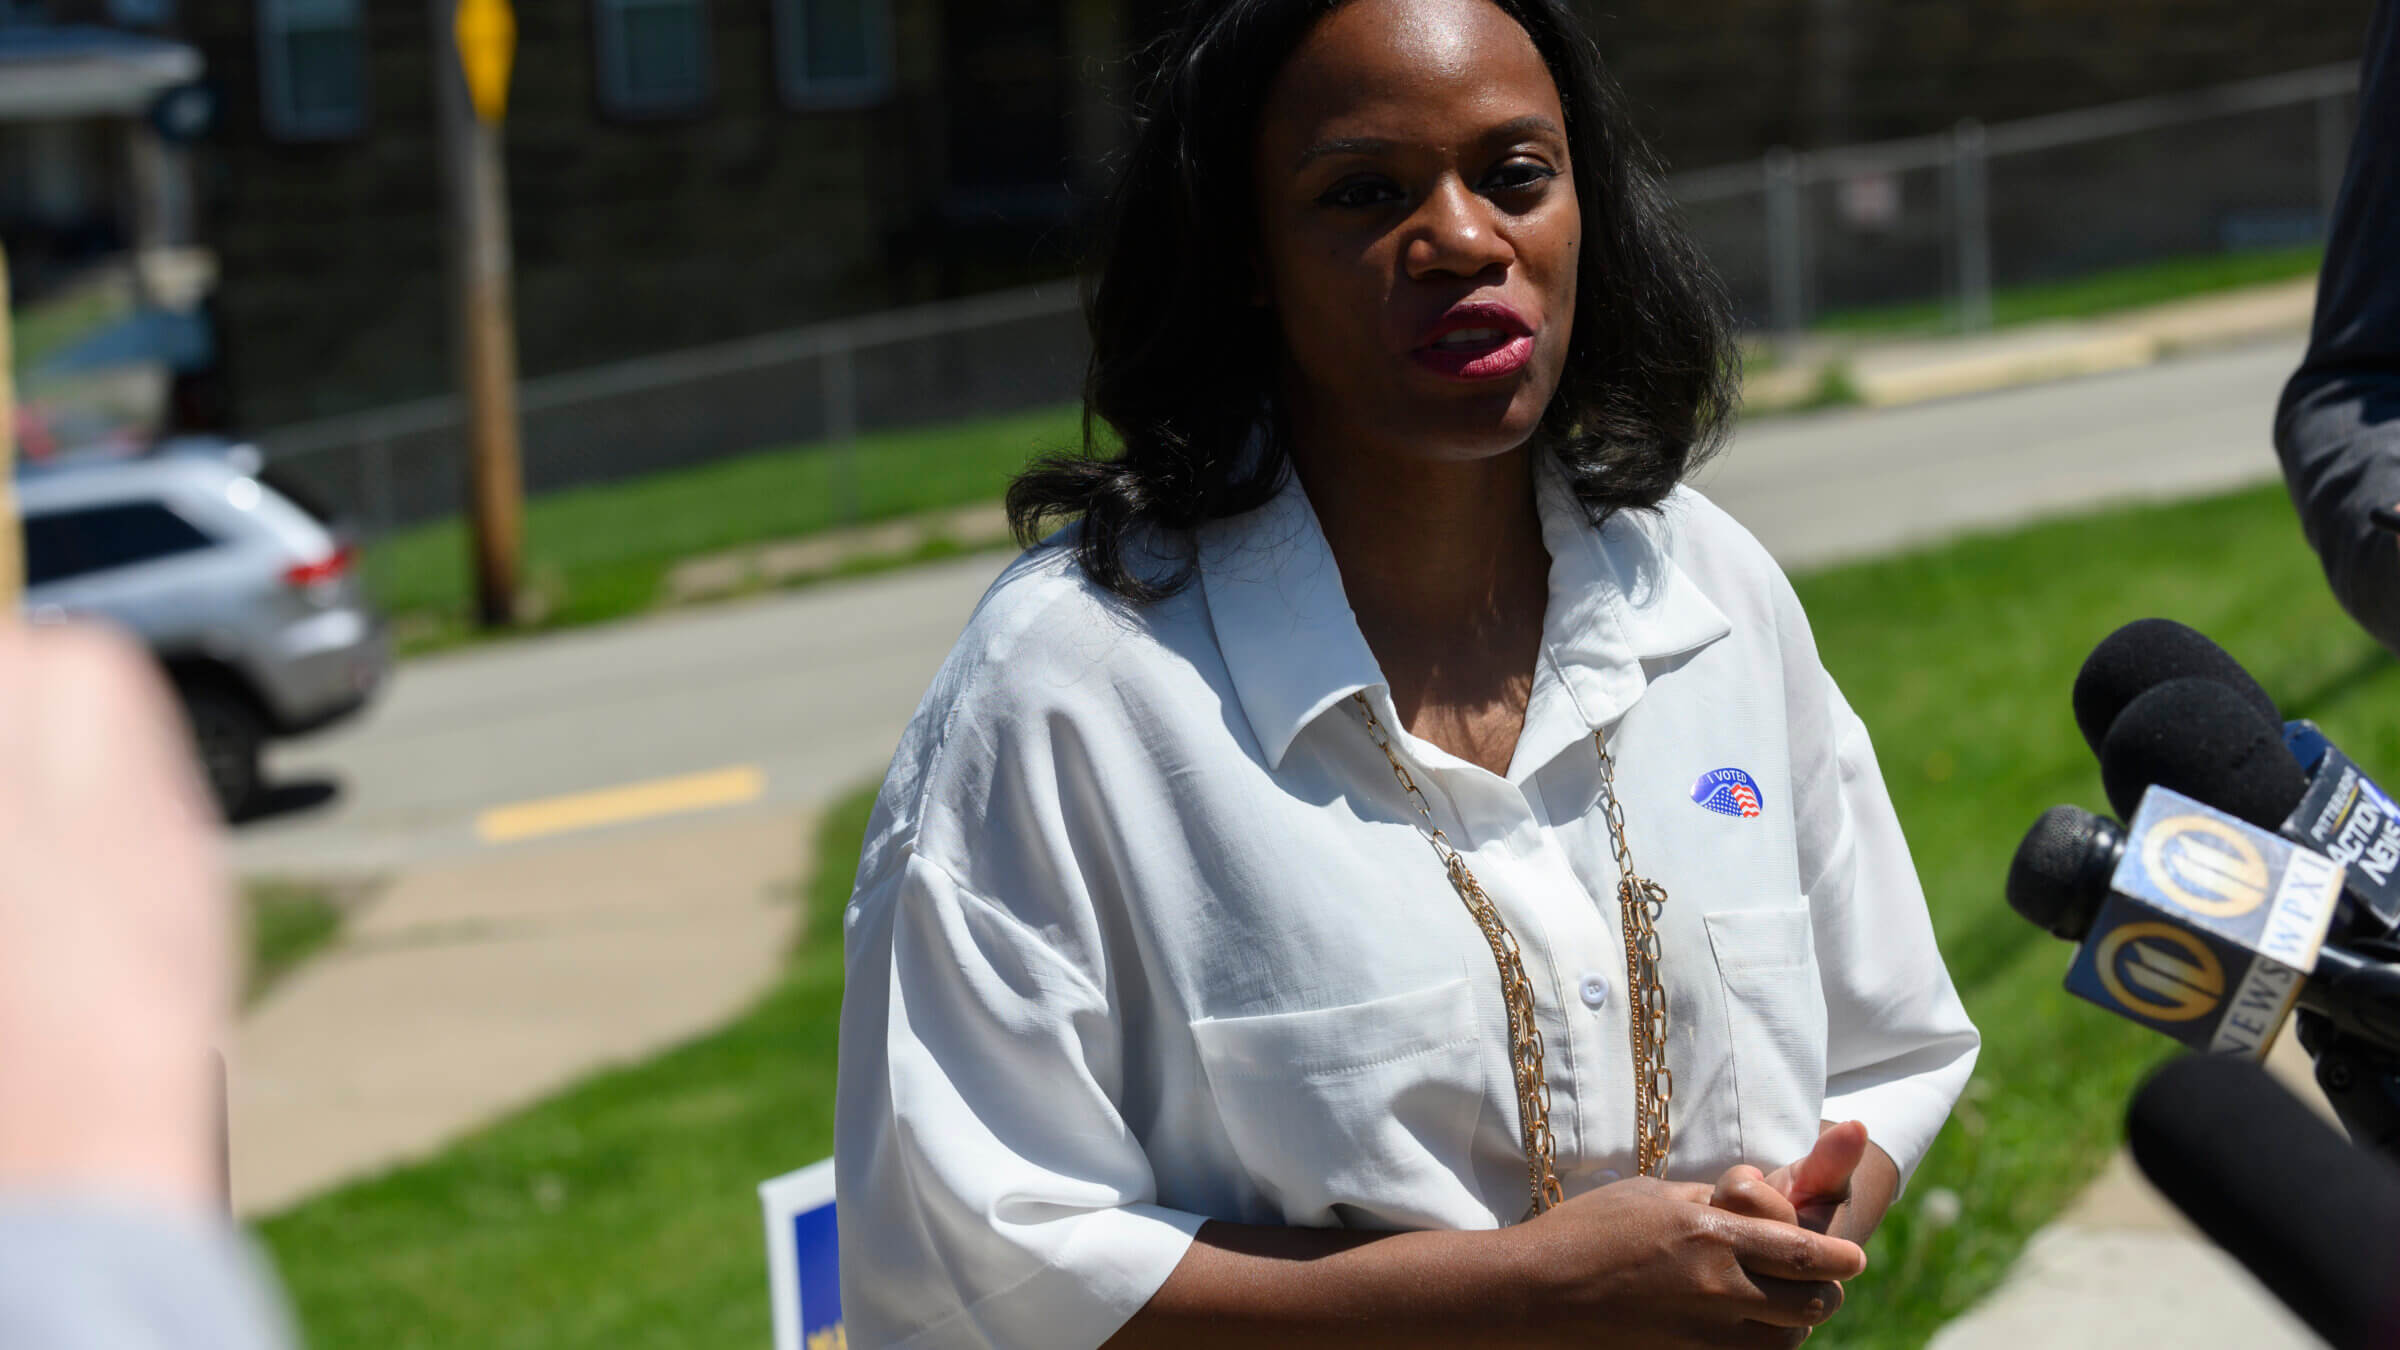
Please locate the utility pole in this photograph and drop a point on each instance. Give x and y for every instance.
(474, 42)
(12, 535)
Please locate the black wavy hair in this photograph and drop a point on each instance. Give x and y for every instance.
(1651, 375)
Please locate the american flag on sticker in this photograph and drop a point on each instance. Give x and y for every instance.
(1728, 792)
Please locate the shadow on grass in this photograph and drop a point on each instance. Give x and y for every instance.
(2322, 695)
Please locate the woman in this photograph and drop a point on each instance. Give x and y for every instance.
(1245, 940)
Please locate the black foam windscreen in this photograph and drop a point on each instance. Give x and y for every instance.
(2060, 873)
(2144, 654)
(2207, 742)
(2316, 1220)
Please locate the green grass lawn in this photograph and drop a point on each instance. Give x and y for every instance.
(289, 921)
(1960, 660)
(621, 1212)
(602, 552)
(2089, 297)
(42, 330)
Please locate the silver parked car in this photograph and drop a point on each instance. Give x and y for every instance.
(248, 596)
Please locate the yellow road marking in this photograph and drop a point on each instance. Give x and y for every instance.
(614, 806)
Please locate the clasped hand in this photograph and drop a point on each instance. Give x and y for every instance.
(1749, 1261)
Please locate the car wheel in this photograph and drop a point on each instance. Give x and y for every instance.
(229, 734)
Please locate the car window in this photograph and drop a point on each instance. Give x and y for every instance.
(64, 544)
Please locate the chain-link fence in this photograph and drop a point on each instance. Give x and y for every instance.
(1939, 220)
(1947, 218)
(994, 353)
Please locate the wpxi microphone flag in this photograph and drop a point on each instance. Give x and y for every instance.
(2208, 929)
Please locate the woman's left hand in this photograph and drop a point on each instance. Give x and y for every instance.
(1842, 1187)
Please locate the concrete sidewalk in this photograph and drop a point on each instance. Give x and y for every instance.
(1888, 373)
(2122, 1268)
(477, 986)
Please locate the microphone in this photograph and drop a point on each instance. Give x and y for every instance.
(2317, 1221)
(2195, 924)
(2206, 740)
(2145, 654)
(2336, 809)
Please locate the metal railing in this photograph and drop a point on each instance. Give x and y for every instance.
(1798, 235)
(1942, 219)
(994, 353)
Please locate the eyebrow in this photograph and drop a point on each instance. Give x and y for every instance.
(1347, 145)
(1370, 145)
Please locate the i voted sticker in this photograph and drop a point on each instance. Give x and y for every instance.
(1728, 792)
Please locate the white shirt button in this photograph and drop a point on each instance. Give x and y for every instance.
(1595, 989)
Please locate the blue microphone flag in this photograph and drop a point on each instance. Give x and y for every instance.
(2345, 816)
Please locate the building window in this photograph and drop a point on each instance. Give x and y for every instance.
(833, 52)
(141, 13)
(654, 57)
(312, 56)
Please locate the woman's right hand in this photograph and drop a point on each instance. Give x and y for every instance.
(1655, 1264)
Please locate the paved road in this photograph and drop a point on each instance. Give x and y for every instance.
(812, 688)
(1822, 488)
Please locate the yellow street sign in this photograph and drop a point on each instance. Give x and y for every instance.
(487, 43)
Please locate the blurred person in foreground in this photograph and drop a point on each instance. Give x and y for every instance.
(2338, 427)
(1394, 870)
(116, 974)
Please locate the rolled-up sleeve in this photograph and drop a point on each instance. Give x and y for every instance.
(1899, 1045)
(990, 1192)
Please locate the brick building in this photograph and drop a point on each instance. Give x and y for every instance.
(680, 171)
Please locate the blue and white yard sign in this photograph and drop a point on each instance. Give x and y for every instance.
(803, 1263)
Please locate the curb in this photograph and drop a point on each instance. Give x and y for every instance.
(2034, 356)
(792, 562)
(1898, 373)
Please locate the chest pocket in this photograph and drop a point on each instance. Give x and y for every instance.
(1359, 1115)
(1775, 1015)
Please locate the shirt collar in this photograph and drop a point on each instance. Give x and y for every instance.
(1617, 600)
(1283, 623)
(1293, 648)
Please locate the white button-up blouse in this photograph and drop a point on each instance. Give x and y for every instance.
(1147, 933)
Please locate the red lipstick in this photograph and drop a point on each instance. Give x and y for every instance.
(1476, 340)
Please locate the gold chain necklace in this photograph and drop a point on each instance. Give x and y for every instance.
(1639, 901)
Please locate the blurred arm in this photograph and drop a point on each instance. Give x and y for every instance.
(115, 978)
(81, 1272)
(2337, 428)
